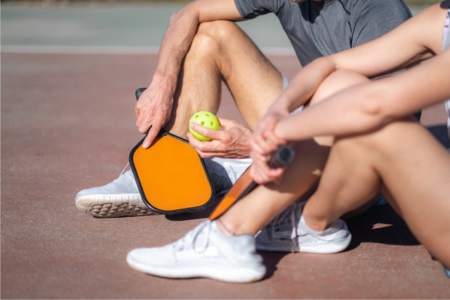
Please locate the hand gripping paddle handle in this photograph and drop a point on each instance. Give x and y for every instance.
(245, 184)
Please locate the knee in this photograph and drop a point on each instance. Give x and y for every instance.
(404, 131)
(384, 141)
(346, 145)
(337, 81)
(211, 38)
(220, 31)
(203, 46)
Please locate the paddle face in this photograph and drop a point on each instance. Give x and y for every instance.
(245, 184)
(171, 176)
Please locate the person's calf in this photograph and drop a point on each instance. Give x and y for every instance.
(347, 184)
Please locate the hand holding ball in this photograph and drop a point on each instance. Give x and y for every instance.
(205, 119)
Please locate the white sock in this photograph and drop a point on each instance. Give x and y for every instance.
(305, 226)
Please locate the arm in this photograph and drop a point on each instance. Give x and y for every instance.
(412, 39)
(155, 105)
(368, 106)
(182, 29)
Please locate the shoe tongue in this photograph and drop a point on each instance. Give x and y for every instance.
(127, 182)
(197, 237)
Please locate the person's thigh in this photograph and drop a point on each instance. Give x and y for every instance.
(252, 79)
(415, 169)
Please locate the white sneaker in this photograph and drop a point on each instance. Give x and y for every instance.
(233, 167)
(119, 198)
(289, 233)
(203, 252)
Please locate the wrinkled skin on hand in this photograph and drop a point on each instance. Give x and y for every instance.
(153, 109)
(231, 141)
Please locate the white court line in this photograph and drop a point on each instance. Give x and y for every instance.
(37, 49)
(87, 50)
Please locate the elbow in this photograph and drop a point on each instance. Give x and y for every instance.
(189, 11)
(325, 62)
(374, 109)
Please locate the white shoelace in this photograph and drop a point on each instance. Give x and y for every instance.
(191, 239)
(130, 176)
(288, 216)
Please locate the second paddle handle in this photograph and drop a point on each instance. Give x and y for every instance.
(282, 157)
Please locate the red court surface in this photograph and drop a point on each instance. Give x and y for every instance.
(68, 123)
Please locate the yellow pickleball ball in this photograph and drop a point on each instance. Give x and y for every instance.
(206, 119)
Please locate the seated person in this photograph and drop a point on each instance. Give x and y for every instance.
(370, 123)
(201, 48)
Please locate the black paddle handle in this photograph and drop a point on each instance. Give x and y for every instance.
(282, 157)
(138, 92)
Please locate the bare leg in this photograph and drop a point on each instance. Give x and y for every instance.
(221, 50)
(346, 165)
(255, 210)
(265, 202)
(415, 170)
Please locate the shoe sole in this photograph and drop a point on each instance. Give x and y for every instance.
(324, 248)
(113, 206)
(234, 275)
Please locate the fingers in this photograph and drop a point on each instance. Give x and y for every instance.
(152, 110)
(259, 145)
(142, 119)
(226, 123)
(195, 143)
(212, 134)
(272, 139)
(265, 141)
(143, 124)
(261, 174)
(152, 134)
(207, 149)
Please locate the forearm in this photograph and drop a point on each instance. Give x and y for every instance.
(303, 86)
(182, 29)
(368, 106)
(341, 114)
(176, 42)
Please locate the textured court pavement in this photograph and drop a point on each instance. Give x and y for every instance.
(67, 123)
